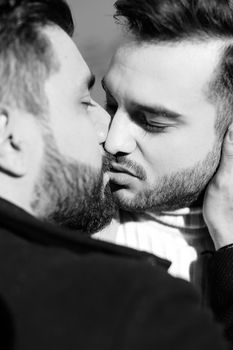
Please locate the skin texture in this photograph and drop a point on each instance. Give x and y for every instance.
(163, 159)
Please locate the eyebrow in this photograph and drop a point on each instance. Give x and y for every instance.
(158, 110)
(167, 113)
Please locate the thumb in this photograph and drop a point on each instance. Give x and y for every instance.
(226, 162)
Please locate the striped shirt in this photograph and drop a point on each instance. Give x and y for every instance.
(180, 237)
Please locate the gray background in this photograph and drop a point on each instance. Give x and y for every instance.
(96, 35)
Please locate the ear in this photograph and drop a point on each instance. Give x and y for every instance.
(12, 157)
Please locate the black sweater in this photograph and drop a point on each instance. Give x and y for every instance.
(60, 290)
(221, 287)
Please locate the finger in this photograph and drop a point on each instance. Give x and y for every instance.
(226, 162)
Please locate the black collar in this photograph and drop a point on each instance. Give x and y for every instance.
(28, 227)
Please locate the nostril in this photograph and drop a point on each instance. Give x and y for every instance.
(121, 154)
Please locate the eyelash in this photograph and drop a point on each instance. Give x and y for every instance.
(140, 120)
(87, 104)
(155, 128)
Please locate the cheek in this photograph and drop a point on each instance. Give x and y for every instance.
(177, 150)
(78, 140)
(87, 147)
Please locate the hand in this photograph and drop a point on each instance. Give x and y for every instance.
(218, 201)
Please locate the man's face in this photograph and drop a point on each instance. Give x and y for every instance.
(162, 132)
(71, 188)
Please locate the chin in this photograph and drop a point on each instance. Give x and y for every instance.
(139, 203)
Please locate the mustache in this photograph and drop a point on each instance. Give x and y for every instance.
(132, 166)
(107, 162)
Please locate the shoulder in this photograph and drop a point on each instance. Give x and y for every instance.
(121, 301)
(160, 311)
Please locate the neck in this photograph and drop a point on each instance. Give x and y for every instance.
(17, 192)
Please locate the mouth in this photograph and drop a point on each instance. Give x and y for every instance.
(119, 169)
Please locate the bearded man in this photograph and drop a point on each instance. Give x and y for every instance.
(169, 93)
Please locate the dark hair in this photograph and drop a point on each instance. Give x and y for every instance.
(179, 20)
(26, 55)
(167, 20)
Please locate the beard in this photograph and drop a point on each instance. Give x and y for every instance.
(71, 194)
(171, 192)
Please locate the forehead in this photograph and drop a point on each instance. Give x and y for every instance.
(72, 70)
(166, 70)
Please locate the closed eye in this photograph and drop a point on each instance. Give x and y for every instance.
(153, 127)
(87, 103)
(149, 124)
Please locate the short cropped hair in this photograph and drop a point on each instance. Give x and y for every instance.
(183, 20)
(26, 54)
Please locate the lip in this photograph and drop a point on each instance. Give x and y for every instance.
(117, 168)
(122, 179)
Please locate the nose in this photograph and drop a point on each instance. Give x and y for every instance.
(120, 138)
(101, 120)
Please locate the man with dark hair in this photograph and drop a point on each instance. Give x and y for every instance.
(60, 289)
(169, 92)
